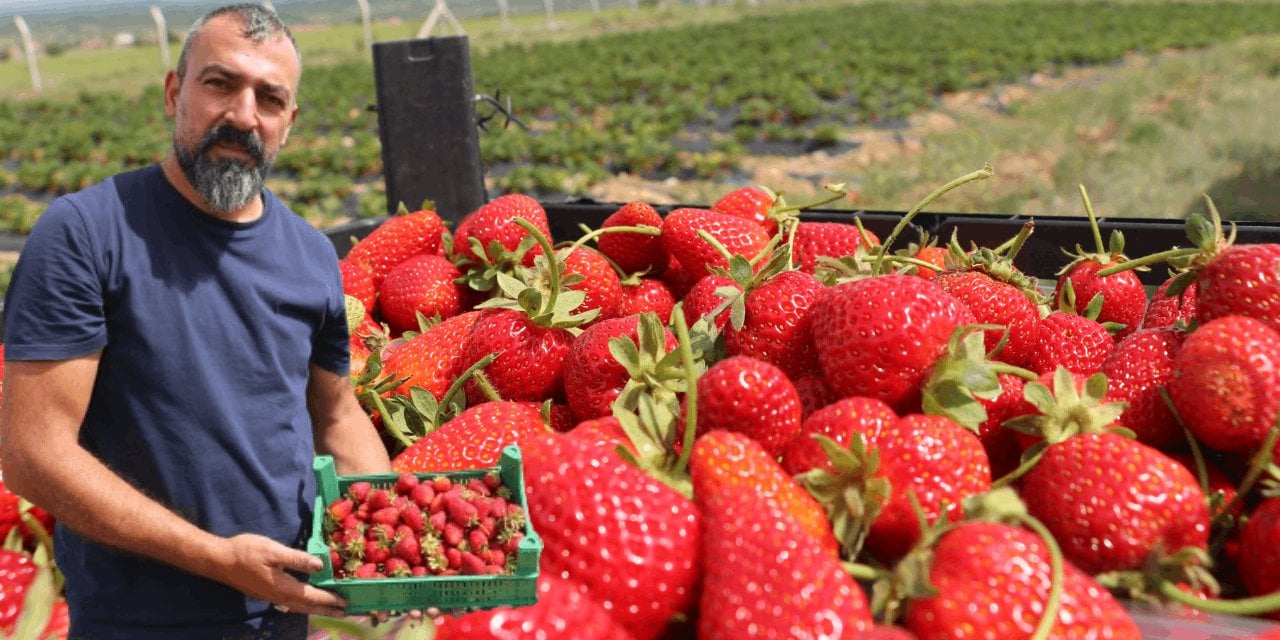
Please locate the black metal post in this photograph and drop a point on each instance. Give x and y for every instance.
(427, 124)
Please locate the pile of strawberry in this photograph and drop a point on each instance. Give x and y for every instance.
(737, 423)
(419, 527)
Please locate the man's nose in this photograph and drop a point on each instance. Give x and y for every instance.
(242, 110)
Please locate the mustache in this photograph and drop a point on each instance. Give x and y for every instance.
(247, 140)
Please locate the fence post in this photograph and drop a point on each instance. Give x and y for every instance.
(29, 48)
(162, 36)
(366, 23)
(427, 124)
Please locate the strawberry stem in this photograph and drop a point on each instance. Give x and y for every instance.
(1093, 222)
(837, 191)
(1259, 605)
(1257, 465)
(1054, 601)
(691, 385)
(1163, 256)
(981, 174)
(460, 382)
(591, 234)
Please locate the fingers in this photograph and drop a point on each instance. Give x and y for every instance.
(298, 560)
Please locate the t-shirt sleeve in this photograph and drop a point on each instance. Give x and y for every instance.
(53, 309)
(332, 347)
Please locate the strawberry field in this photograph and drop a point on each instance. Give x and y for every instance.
(684, 102)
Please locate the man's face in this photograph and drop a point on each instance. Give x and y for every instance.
(232, 111)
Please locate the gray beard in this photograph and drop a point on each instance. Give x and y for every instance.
(226, 185)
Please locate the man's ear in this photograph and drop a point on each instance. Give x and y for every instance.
(172, 83)
(293, 116)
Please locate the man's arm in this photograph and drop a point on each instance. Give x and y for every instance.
(44, 405)
(342, 428)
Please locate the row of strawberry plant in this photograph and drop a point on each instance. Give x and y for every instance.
(633, 102)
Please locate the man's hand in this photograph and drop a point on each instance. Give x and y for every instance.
(258, 566)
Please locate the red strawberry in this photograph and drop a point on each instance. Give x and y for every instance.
(1137, 370)
(647, 295)
(1129, 501)
(751, 397)
(761, 555)
(1260, 549)
(838, 421)
(605, 432)
(738, 236)
(599, 282)
(638, 556)
(563, 612)
(357, 282)
(634, 252)
(1072, 341)
(814, 393)
(1001, 443)
(880, 336)
(993, 583)
(1242, 280)
(936, 256)
(530, 358)
(777, 328)
(937, 461)
(725, 459)
(1163, 310)
(702, 299)
(11, 510)
(1124, 299)
(593, 377)
(1226, 382)
(396, 240)
(423, 284)
(996, 302)
(17, 572)
(750, 203)
(832, 239)
(493, 223)
(472, 439)
(432, 359)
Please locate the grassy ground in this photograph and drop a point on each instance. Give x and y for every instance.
(1147, 138)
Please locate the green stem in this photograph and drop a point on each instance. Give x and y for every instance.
(1012, 476)
(1015, 245)
(1093, 221)
(1163, 256)
(715, 244)
(691, 386)
(591, 234)
(837, 191)
(860, 571)
(486, 387)
(553, 266)
(981, 174)
(1257, 466)
(1004, 367)
(1256, 606)
(460, 383)
(1054, 601)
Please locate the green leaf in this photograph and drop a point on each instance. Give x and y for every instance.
(1039, 396)
(1201, 232)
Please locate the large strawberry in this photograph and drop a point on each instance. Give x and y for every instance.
(880, 336)
(725, 460)
(993, 582)
(602, 291)
(1118, 297)
(767, 576)
(424, 285)
(490, 231)
(1242, 280)
(1260, 549)
(840, 421)
(529, 363)
(357, 281)
(594, 377)
(1128, 504)
(634, 252)
(776, 325)
(751, 397)
(473, 438)
(430, 360)
(734, 235)
(706, 296)
(397, 239)
(1072, 341)
(1226, 382)
(1138, 370)
(647, 295)
(628, 541)
(562, 612)
(814, 240)
(751, 203)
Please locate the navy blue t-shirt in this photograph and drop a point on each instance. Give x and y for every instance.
(206, 329)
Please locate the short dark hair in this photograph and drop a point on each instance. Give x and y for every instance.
(260, 23)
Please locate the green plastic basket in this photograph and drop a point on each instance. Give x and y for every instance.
(447, 593)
